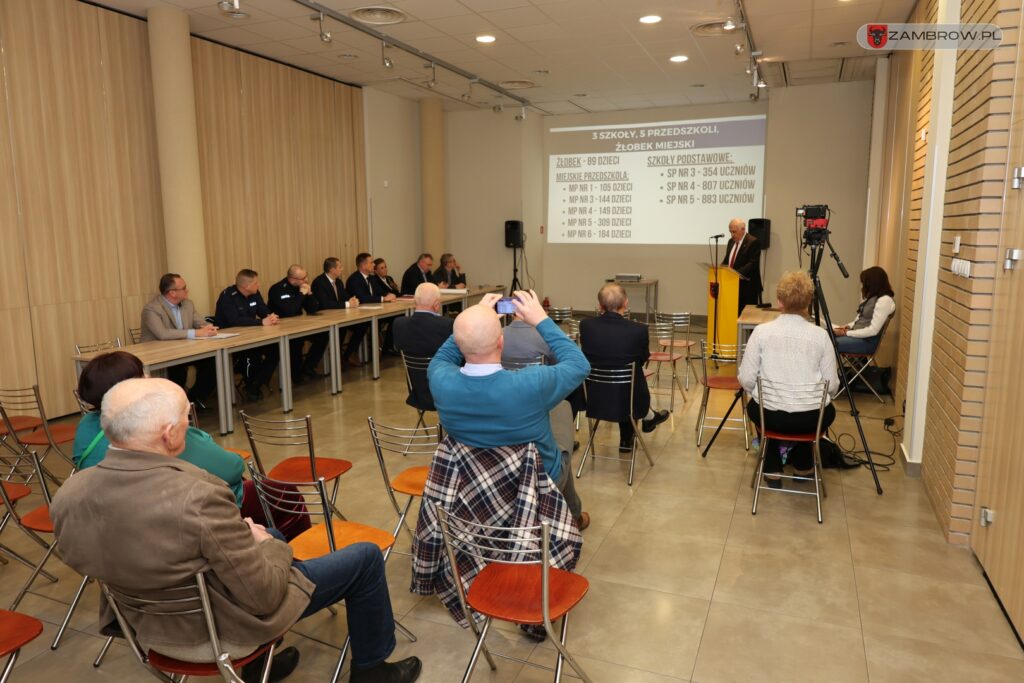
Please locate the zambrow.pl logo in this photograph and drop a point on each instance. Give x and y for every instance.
(929, 36)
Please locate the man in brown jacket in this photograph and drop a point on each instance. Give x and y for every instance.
(145, 520)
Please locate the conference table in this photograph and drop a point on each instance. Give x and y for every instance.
(159, 355)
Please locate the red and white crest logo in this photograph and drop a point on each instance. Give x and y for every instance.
(878, 35)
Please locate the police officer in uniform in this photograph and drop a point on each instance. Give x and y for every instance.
(242, 305)
(289, 298)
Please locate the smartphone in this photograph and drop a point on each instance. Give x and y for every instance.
(505, 305)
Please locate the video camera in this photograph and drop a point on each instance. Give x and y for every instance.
(815, 217)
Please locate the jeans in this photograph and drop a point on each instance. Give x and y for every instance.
(567, 485)
(354, 574)
(857, 344)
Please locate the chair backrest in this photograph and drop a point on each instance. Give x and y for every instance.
(773, 394)
(193, 416)
(609, 392)
(520, 363)
(560, 314)
(294, 435)
(574, 330)
(291, 498)
(114, 343)
(718, 353)
(83, 407)
(21, 468)
(416, 380)
(422, 441)
(680, 321)
(191, 598)
(663, 332)
(135, 334)
(19, 401)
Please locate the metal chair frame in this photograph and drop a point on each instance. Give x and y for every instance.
(28, 399)
(681, 322)
(523, 546)
(416, 364)
(560, 314)
(6, 619)
(114, 343)
(665, 333)
(520, 363)
(724, 354)
(135, 334)
(859, 362)
(619, 377)
(181, 601)
(769, 391)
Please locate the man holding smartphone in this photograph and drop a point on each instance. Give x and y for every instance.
(483, 405)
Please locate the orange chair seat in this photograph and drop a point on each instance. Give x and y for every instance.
(17, 630)
(730, 383)
(297, 469)
(177, 666)
(21, 423)
(62, 433)
(665, 357)
(648, 372)
(15, 491)
(412, 481)
(780, 436)
(677, 343)
(39, 520)
(511, 592)
(313, 542)
(244, 455)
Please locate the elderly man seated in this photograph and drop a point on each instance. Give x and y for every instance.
(144, 519)
(483, 405)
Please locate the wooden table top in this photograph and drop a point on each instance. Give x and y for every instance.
(752, 315)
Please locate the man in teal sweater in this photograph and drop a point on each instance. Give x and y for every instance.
(484, 406)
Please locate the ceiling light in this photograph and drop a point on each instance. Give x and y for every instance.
(385, 60)
(433, 76)
(232, 8)
(325, 36)
(737, 49)
(650, 19)
(729, 24)
(678, 58)
(761, 83)
(378, 16)
(839, 43)
(347, 56)
(517, 84)
(485, 39)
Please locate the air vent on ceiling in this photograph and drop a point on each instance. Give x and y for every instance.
(378, 16)
(517, 84)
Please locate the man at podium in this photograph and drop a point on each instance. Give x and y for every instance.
(743, 254)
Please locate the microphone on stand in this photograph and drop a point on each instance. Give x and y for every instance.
(717, 237)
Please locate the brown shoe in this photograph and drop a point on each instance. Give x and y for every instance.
(584, 521)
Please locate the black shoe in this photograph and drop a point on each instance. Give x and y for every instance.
(315, 374)
(253, 394)
(659, 417)
(575, 446)
(773, 483)
(404, 671)
(283, 665)
(625, 446)
(298, 379)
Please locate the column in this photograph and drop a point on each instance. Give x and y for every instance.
(432, 177)
(170, 56)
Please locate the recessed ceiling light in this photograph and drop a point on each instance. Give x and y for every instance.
(486, 39)
(839, 43)
(650, 19)
(517, 84)
(378, 16)
(678, 58)
(347, 55)
(729, 24)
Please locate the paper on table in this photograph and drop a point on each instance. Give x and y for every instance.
(370, 307)
(453, 291)
(219, 335)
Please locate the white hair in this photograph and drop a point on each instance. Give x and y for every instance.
(142, 418)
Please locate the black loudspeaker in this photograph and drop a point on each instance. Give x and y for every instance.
(761, 228)
(514, 234)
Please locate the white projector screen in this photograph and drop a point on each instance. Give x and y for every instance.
(670, 182)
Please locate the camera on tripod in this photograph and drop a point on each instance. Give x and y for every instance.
(816, 217)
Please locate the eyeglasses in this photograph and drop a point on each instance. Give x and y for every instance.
(179, 289)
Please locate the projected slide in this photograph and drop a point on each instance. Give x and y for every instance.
(672, 182)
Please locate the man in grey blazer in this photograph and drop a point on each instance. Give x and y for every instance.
(172, 315)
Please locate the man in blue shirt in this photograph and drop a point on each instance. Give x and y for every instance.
(482, 405)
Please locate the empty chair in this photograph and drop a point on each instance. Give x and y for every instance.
(176, 603)
(419, 388)
(135, 334)
(14, 403)
(109, 345)
(16, 631)
(716, 355)
(516, 584)
(193, 421)
(609, 394)
(665, 334)
(560, 314)
(681, 341)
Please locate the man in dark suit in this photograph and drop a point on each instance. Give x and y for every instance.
(330, 294)
(423, 332)
(743, 254)
(417, 273)
(449, 275)
(242, 305)
(386, 283)
(172, 315)
(289, 298)
(361, 285)
(611, 341)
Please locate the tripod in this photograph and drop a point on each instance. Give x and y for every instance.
(714, 289)
(817, 246)
(515, 286)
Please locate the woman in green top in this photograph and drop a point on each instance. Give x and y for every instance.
(90, 446)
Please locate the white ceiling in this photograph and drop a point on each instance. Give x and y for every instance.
(584, 55)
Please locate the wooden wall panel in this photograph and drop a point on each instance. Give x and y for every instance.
(17, 363)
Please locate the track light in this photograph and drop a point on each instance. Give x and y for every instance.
(738, 49)
(433, 76)
(232, 8)
(385, 60)
(325, 36)
(729, 24)
(521, 116)
(761, 83)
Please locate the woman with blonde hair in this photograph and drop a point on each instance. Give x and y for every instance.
(790, 350)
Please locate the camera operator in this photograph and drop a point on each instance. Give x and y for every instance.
(863, 334)
(792, 350)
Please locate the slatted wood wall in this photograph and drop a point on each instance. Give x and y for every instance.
(973, 203)
(81, 222)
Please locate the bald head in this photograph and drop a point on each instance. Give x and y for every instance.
(478, 334)
(428, 297)
(612, 298)
(146, 414)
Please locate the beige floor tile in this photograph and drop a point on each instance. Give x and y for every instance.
(705, 519)
(909, 507)
(597, 670)
(742, 645)
(903, 660)
(956, 615)
(912, 550)
(802, 585)
(794, 530)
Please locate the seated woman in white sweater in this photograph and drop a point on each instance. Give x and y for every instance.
(790, 350)
(863, 334)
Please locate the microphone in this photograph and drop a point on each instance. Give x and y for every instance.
(717, 237)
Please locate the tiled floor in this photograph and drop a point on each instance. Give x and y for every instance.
(685, 584)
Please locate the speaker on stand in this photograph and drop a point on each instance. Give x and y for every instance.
(514, 240)
(761, 228)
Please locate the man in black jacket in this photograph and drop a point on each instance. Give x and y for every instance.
(289, 298)
(330, 294)
(242, 305)
(611, 341)
(423, 332)
(449, 275)
(417, 273)
(743, 254)
(361, 284)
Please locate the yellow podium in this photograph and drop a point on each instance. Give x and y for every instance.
(727, 303)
